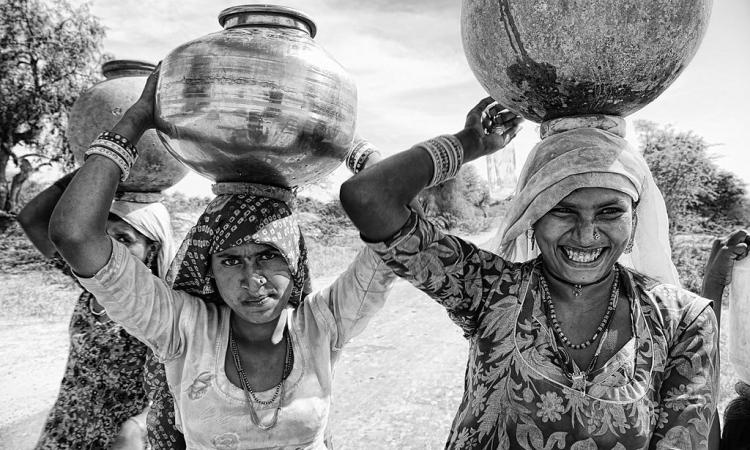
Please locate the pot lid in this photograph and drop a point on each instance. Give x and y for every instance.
(272, 15)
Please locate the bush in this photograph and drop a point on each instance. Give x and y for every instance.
(461, 203)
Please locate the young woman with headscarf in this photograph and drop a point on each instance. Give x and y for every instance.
(569, 347)
(102, 400)
(248, 351)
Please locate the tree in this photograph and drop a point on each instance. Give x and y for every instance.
(49, 52)
(682, 169)
(727, 207)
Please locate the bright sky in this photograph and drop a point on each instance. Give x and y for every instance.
(413, 79)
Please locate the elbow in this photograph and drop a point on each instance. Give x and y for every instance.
(25, 219)
(356, 198)
(66, 234)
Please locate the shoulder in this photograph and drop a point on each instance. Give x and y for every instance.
(678, 310)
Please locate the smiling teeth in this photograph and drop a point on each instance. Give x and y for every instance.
(582, 256)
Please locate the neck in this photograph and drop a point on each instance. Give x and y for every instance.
(564, 291)
(251, 333)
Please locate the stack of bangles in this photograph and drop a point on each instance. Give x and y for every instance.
(115, 147)
(447, 156)
(360, 151)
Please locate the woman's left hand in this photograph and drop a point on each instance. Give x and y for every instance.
(723, 255)
(489, 127)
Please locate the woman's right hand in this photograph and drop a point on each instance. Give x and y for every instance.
(488, 128)
(140, 116)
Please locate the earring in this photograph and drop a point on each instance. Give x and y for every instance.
(596, 235)
(150, 257)
(629, 247)
(530, 237)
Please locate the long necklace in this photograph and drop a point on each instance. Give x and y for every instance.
(250, 394)
(550, 306)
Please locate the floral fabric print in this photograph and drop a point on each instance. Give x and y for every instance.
(658, 391)
(102, 386)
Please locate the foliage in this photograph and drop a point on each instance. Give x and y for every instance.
(699, 196)
(461, 203)
(690, 253)
(49, 52)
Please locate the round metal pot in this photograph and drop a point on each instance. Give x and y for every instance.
(551, 58)
(99, 109)
(258, 102)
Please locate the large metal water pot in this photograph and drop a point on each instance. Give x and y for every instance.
(258, 102)
(551, 58)
(99, 109)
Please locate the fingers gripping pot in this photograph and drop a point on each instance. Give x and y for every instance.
(99, 109)
(258, 102)
(546, 59)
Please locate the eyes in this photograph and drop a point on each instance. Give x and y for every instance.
(125, 239)
(263, 258)
(608, 213)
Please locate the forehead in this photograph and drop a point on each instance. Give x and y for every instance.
(595, 197)
(247, 249)
(117, 225)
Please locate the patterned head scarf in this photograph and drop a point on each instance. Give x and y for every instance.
(589, 151)
(152, 221)
(236, 219)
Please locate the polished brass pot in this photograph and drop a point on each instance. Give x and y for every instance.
(551, 58)
(258, 102)
(99, 109)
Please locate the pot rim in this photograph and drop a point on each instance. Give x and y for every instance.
(265, 9)
(131, 65)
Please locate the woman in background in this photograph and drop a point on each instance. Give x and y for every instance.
(102, 401)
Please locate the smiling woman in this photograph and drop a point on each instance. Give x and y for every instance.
(577, 340)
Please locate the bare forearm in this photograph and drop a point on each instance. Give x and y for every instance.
(713, 289)
(34, 219)
(78, 223)
(376, 199)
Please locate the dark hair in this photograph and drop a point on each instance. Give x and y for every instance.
(736, 433)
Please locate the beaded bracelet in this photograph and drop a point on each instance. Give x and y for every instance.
(359, 153)
(115, 147)
(447, 157)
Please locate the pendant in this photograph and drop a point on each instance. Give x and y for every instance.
(579, 382)
(577, 288)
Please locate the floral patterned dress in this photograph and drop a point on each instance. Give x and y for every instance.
(658, 391)
(103, 382)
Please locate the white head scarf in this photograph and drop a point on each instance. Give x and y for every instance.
(151, 220)
(589, 151)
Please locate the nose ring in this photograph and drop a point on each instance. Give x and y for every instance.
(259, 279)
(596, 235)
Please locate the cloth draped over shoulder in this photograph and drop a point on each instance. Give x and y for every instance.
(581, 152)
(151, 220)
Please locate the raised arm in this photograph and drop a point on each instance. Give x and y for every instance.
(718, 271)
(78, 223)
(35, 215)
(376, 199)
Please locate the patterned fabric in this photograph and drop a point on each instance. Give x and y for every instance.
(232, 220)
(229, 220)
(102, 386)
(160, 423)
(658, 391)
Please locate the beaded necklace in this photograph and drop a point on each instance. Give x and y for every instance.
(579, 378)
(547, 299)
(250, 394)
